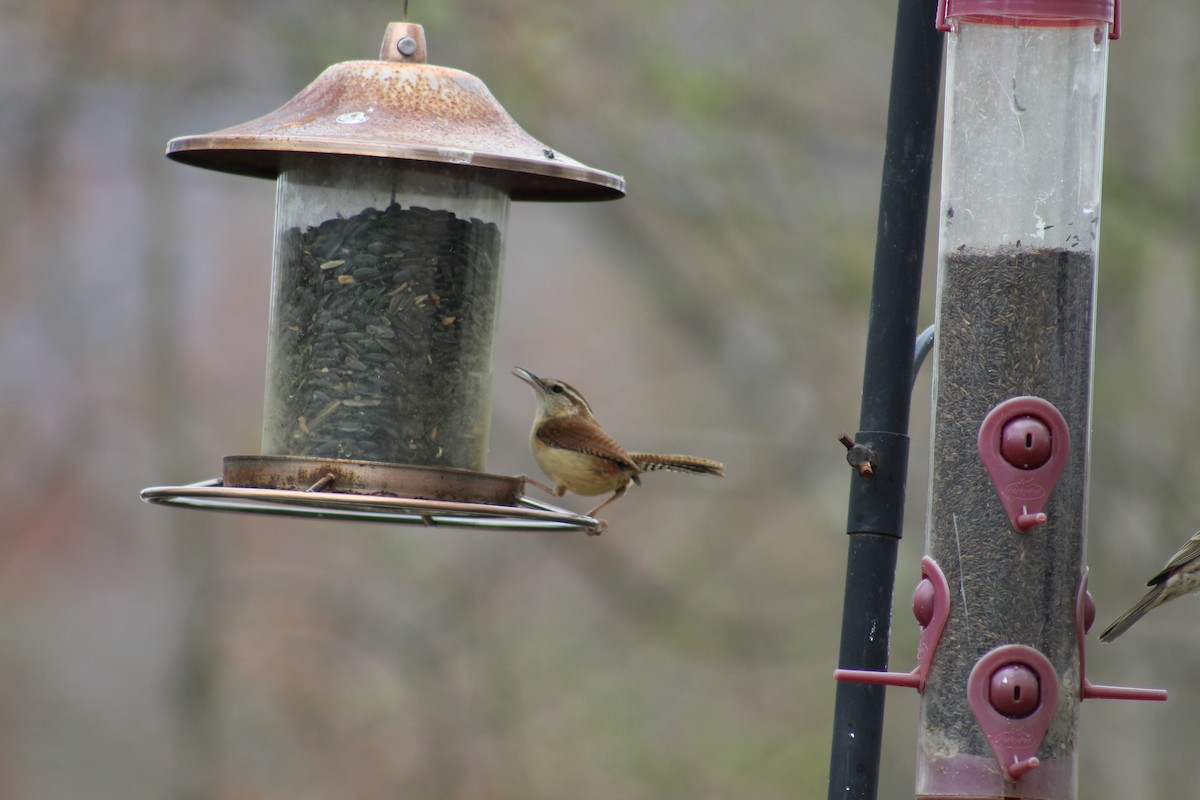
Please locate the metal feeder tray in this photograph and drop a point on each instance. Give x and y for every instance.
(372, 491)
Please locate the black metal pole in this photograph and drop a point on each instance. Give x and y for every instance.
(876, 506)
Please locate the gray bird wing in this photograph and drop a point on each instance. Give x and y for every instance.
(1186, 555)
(1151, 599)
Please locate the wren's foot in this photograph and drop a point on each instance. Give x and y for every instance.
(616, 496)
(599, 530)
(526, 479)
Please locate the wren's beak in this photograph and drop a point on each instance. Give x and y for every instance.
(531, 379)
(541, 391)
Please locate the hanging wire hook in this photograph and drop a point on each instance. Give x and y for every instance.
(405, 18)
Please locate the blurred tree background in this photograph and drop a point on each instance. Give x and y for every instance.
(718, 309)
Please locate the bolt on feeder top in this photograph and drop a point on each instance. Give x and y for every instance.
(394, 179)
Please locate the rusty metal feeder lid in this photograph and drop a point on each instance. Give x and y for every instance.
(399, 107)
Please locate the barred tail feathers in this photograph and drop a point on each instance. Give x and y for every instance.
(649, 462)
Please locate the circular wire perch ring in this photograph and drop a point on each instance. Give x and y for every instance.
(371, 491)
(528, 514)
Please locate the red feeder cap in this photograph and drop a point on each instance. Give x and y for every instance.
(1036, 13)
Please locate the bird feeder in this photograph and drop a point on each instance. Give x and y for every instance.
(1019, 234)
(394, 179)
(1002, 603)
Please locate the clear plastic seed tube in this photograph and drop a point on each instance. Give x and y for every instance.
(385, 287)
(1020, 214)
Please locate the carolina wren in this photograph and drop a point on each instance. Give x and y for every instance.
(575, 452)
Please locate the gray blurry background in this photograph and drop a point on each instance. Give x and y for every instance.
(718, 309)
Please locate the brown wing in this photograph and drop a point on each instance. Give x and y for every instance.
(1186, 554)
(570, 434)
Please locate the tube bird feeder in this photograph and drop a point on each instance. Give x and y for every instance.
(1019, 235)
(1003, 604)
(394, 179)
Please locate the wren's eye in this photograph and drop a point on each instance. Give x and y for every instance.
(556, 388)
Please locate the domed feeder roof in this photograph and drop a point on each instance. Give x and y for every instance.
(399, 107)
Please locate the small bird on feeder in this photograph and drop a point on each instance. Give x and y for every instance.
(1180, 576)
(575, 452)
